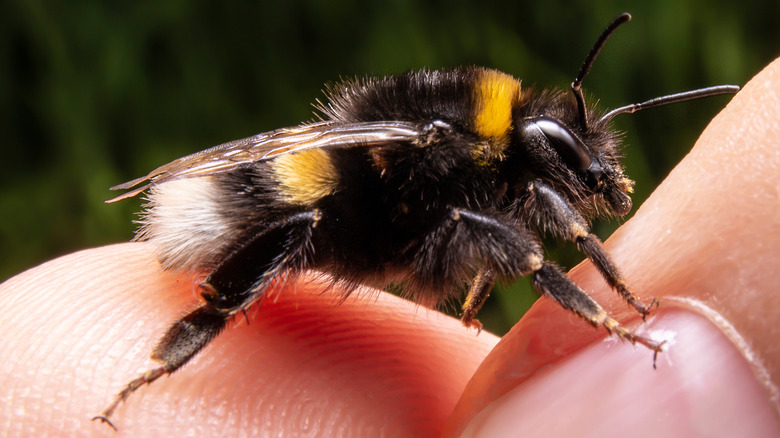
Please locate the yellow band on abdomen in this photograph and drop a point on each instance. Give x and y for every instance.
(305, 177)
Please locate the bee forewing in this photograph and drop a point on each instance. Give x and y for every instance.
(271, 144)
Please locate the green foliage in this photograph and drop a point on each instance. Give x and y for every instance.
(96, 93)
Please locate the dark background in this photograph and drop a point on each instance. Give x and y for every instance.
(94, 94)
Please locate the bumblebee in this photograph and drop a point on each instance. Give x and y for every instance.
(432, 180)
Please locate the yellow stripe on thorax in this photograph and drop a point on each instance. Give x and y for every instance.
(305, 177)
(497, 94)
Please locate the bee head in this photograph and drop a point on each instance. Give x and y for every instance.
(582, 162)
(576, 151)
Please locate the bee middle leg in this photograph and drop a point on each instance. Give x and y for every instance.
(551, 281)
(512, 252)
(233, 285)
(465, 237)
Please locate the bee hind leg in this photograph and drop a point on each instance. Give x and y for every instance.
(181, 342)
(466, 237)
(233, 285)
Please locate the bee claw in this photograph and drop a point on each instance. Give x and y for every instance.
(103, 419)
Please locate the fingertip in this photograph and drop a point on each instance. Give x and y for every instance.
(703, 386)
(300, 362)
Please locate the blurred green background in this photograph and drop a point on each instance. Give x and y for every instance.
(95, 93)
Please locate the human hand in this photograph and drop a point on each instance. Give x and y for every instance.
(78, 328)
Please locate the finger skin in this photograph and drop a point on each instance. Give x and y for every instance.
(80, 327)
(705, 244)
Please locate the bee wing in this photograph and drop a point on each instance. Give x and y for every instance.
(271, 144)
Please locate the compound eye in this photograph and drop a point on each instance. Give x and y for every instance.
(568, 146)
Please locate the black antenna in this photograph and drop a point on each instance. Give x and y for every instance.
(576, 86)
(672, 98)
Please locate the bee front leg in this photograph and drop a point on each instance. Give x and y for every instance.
(567, 223)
